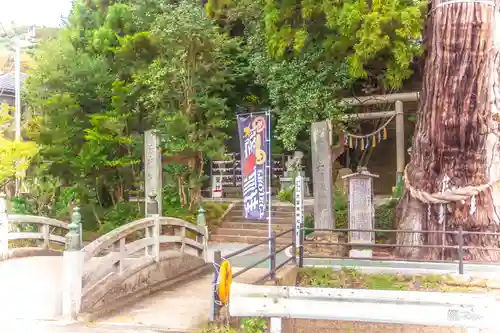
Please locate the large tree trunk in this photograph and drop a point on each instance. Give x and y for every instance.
(457, 133)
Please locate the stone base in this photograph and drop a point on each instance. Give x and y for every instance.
(326, 249)
(361, 253)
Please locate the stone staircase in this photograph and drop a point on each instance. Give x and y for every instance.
(236, 229)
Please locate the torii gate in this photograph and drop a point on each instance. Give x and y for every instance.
(324, 153)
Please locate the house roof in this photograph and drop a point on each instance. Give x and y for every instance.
(7, 83)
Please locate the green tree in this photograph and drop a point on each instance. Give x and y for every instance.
(117, 69)
(187, 85)
(86, 105)
(309, 53)
(15, 156)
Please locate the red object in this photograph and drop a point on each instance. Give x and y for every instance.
(249, 165)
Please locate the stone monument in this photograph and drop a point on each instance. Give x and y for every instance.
(153, 170)
(322, 176)
(361, 212)
(293, 167)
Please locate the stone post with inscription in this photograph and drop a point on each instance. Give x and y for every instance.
(153, 167)
(361, 212)
(322, 175)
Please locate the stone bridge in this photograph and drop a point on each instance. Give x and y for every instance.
(45, 273)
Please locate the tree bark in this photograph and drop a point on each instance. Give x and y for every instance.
(457, 133)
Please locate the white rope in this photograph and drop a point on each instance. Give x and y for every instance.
(451, 2)
(450, 195)
(485, 2)
(372, 133)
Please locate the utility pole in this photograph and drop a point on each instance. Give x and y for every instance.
(17, 87)
(17, 114)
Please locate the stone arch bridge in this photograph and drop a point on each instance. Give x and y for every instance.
(45, 273)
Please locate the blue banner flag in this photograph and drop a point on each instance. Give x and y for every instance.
(253, 132)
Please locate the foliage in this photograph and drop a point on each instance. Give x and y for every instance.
(213, 213)
(308, 224)
(352, 278)
(15, 156)
(120, 67)
(218, 329)
(117, 69)
(187, 83)
(248, 325)
(307, 53)
(121, 213)
(21, 205)
(254, 325)
(286, 194)
(397, 191)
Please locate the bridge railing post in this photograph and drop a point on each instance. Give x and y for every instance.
(4, 227)
(201, 221)
(72, 270)
(215, 305)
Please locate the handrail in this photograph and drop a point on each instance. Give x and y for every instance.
(271, 274)
(119, 253)
(366, 243)
(19, 218)
(107, 240)
(42, 232)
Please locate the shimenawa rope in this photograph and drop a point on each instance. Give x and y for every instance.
(448, 196)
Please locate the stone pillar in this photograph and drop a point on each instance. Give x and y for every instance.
(4, 227)
(361, 212)
(72, 272)
(400, 141)
(153, 167)
(322, 176)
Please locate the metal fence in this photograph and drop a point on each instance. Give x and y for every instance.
(447, 253)
(271, 257)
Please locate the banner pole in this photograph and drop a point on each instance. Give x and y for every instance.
(269, 187)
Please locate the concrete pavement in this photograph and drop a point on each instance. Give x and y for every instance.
(31, 288)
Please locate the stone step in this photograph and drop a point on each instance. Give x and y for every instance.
(246, 239)
(274, 209)
(263, 233)
(254, 225)
(274, 220)
(240, 212)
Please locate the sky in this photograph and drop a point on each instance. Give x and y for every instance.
(39, 12)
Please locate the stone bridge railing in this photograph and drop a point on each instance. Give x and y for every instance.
(139, 258)
(136, 259)
(29, 235)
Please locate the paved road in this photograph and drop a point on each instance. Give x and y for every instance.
(30, 288)
(26, 326)
(182, 309)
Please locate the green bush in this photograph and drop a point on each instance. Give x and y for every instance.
(121, 213)
(21, 205)
(254, 325)
(286, 195)
(308, 224)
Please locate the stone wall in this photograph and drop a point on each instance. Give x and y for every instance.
(140, 280)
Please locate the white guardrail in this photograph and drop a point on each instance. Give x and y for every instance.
(464, 310)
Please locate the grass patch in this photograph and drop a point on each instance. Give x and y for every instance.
(213, 213)
(354, 279)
